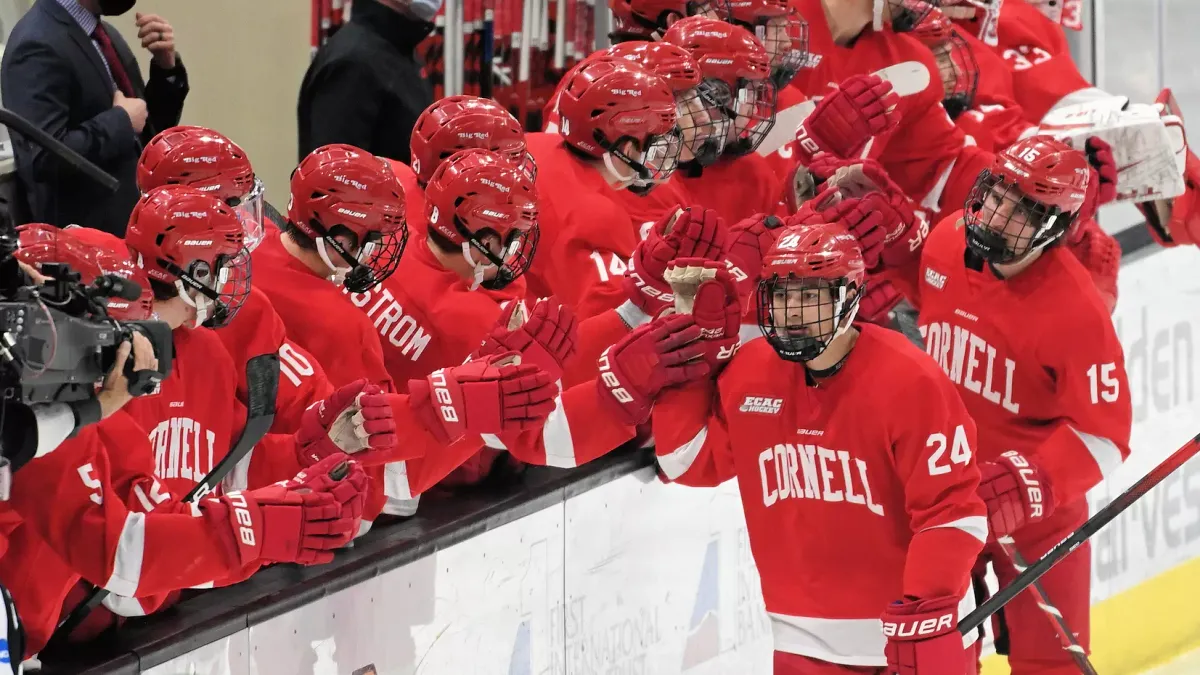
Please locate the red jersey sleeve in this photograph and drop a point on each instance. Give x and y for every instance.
(1092, 391)
(935, 462)
(596, 334)
(691, 438)
(590, 254)
(1036, 51)
(89, 525)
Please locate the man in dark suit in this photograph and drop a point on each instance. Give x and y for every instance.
(74, 76)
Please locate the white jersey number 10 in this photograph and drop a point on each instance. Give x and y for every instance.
(960, 451)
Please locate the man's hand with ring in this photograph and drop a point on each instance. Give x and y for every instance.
(157, 36)
(114, 394)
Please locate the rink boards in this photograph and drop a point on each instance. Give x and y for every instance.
(633, 576)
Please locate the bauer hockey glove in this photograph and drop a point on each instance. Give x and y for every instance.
(878, 301)
(660, 354)
(356, 419)
(494, 395)
(708, 292)
(1015, 492)
(861, 107)
(692, 232)
(302, 520)
(748, 240)
(1100, 254)
(923, 638)
(546, 339)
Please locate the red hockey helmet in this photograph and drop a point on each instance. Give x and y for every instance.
(736, 62)
(190, 240)
(697, 102)
(648, 19)
(48, 244)
(1027, 200)
(780, 29)
(461, 122)
(615, 107)
(476, 201)
(208, 161)
(811, 282)
(955, 60)
(349, 200)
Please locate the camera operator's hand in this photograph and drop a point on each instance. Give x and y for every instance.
(34, 275)
(115, 392)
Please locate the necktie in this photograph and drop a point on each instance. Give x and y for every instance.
(120, 77)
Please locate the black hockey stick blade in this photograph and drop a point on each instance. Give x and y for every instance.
(1093, 525)
(262, 389)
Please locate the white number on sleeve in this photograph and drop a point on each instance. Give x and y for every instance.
(615, 267)
(293, 364)
(156, 497)
(1104, 384)
(88, 474)
(960, 451)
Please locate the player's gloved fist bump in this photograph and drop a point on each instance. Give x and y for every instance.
(1015, 492)
(546, 339)
(877, 301)
(708, 292)
(748, 240)
(690, 232)
(923, 639)
(860, 107)
(663, 353)
(302, 520)
(493, 395)
(356, 419)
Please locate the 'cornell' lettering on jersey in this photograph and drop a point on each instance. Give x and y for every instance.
(971, 362)
(805, 471)
(399, 329)
(183, 448)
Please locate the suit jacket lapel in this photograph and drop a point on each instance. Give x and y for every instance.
(81, 39)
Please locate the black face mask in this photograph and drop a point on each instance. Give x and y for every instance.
(115, 7)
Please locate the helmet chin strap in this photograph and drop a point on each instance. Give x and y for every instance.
(339, 273)
(612, 169)
(877, 14)
(200, 302)
(477, 269)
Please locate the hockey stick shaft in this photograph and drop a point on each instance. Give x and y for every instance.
(262, 384)
(1064, 632)
(1093, 525)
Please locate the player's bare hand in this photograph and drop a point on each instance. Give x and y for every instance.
(158, 36)
(134, 107)
(114, 393)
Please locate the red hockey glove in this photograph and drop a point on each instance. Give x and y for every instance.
(356, 419)
(692, 232)
(923, 638)
(302, 520)
(1102, 184)
(714, 304)
(490, 396)
(861, 107)
(1016, 493)
(660, 354)
(546, 339)
(748, 240)
(1100, 254)
(878, 301)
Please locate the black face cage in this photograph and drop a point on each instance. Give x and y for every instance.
(752, 112)
(1003, 225)
(703, 124)
(907, 14)
(206, 278)
(366, 272)
(784, 303)
(787, 45)
(516, 254)
(659, 160)
(960, 74)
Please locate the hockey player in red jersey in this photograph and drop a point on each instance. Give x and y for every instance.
(883, 506)
(649, 19)
(735, 65)
(999, 300)
(1176, 222)
(618, 140)
(458, 123)
(105, 476)
(212, 163)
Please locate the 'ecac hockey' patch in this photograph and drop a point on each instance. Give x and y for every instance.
(934, 279)
(761, 404)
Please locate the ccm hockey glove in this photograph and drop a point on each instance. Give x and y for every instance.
(356, 419)
(660, 354)
(692, 233)
(546, 339)
(302, 520)
(494, 395)
(1016, 493)
(861, 107)
(923, 638)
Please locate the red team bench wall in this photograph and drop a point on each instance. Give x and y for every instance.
(606, 570)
